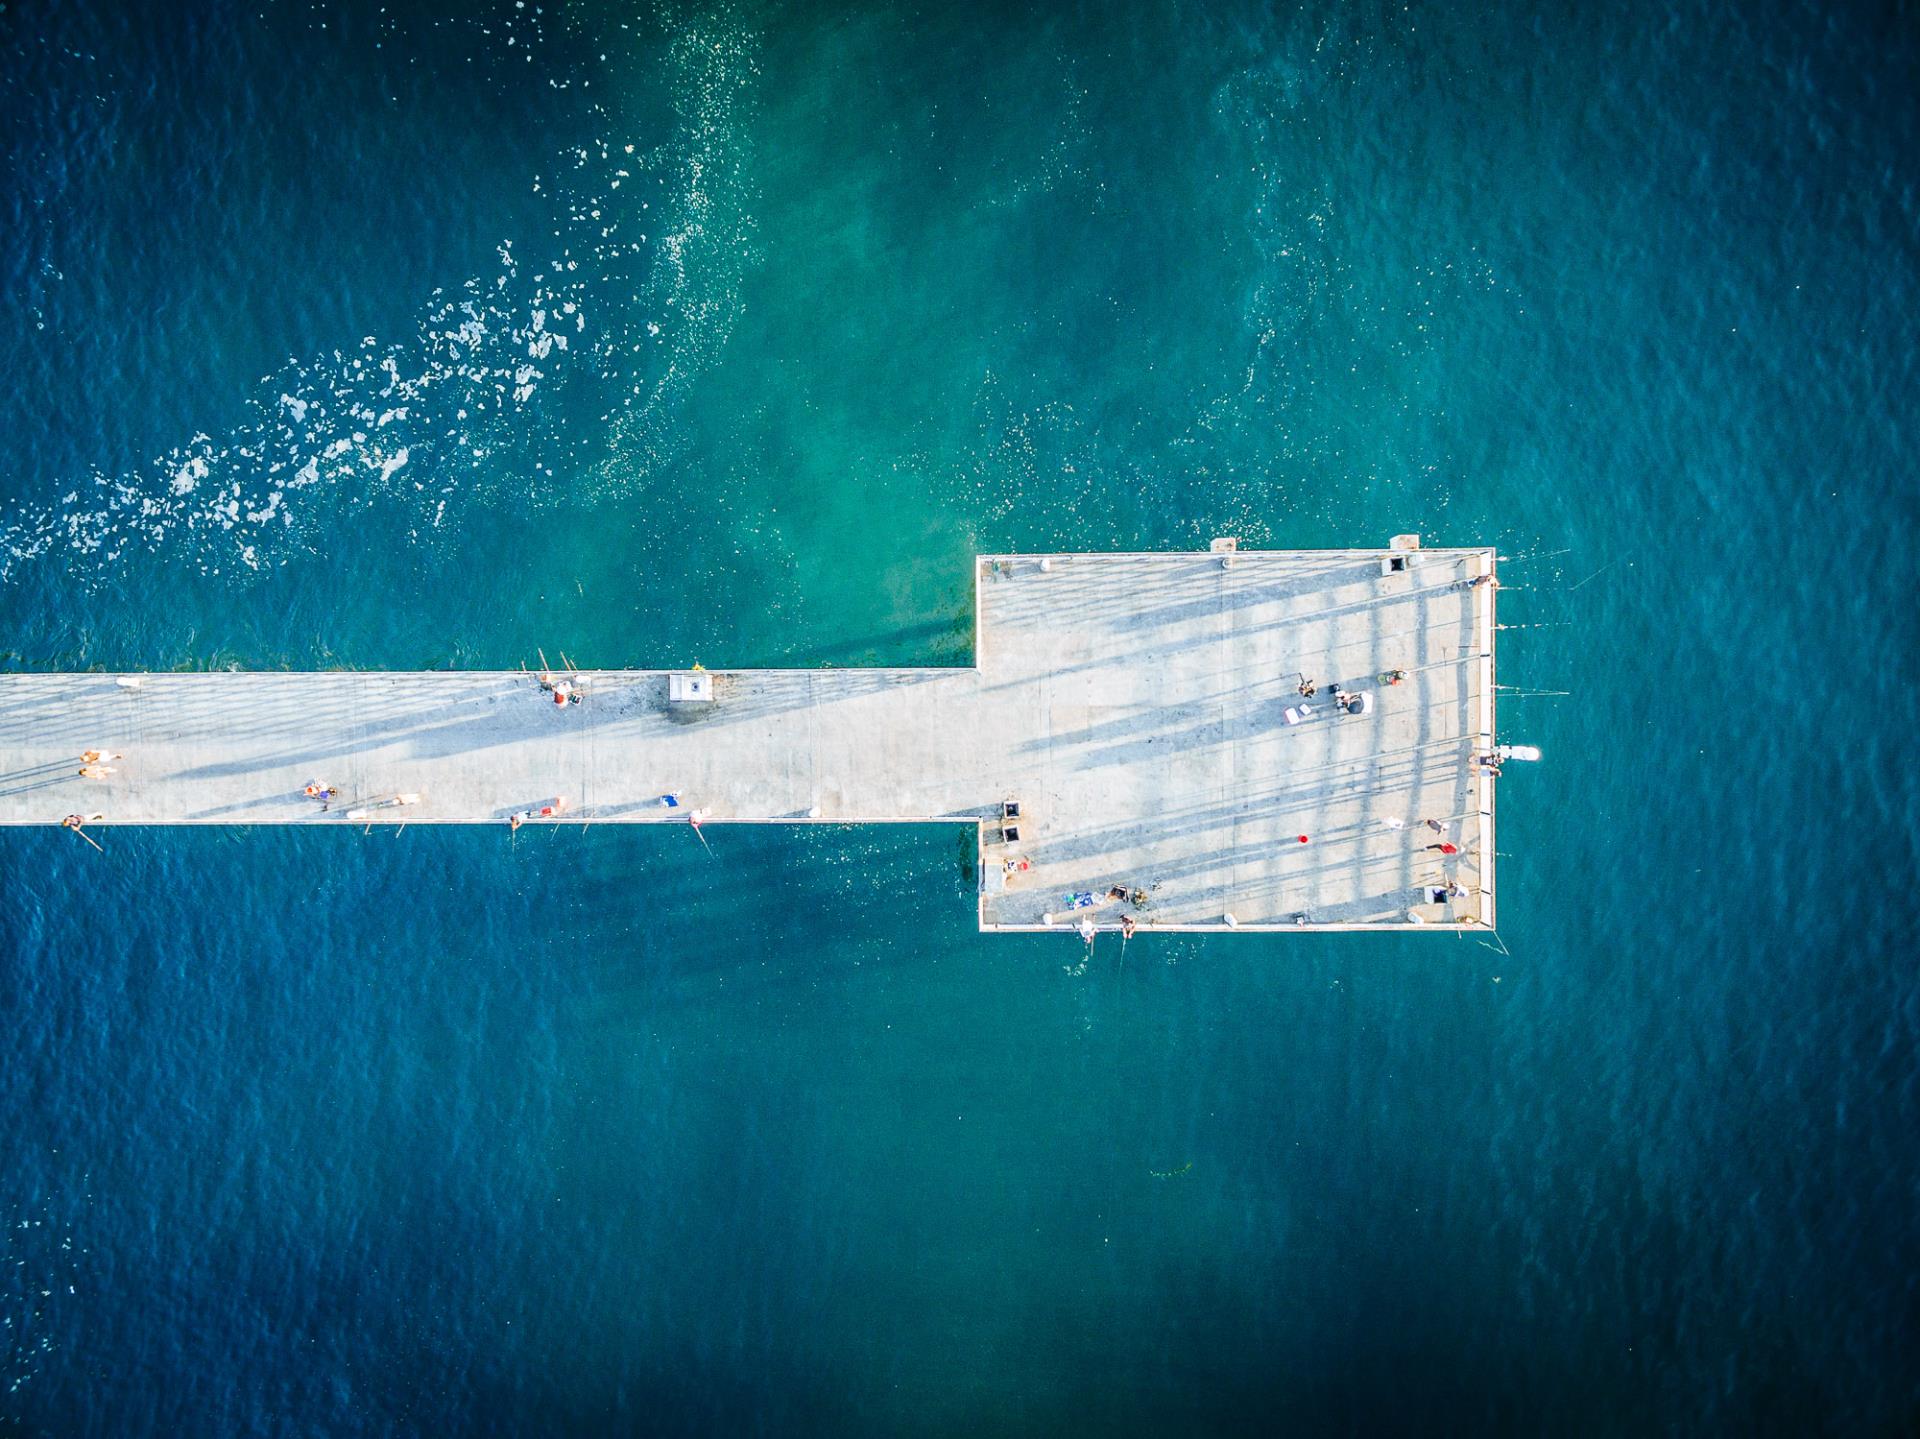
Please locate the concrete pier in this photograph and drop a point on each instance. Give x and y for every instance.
(1133, 706)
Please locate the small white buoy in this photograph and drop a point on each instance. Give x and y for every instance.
(1046, 566)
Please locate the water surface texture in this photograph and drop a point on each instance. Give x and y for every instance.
(407, 336)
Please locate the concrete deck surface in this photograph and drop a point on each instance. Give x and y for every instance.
(1133, 705)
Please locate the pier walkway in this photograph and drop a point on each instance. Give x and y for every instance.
(1134, 706)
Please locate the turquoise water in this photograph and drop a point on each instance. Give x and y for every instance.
(431, 1133)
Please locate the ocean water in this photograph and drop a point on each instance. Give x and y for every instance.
(434, 1132)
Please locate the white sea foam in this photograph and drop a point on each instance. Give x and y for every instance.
(42, 1261)
(393, 463)
(463, 385)
(189, 475)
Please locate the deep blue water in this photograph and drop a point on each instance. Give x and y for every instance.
(430, 1133)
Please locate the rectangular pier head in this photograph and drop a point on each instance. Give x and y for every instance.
(1135, 707)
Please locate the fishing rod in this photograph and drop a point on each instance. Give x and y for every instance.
(1594, 576)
